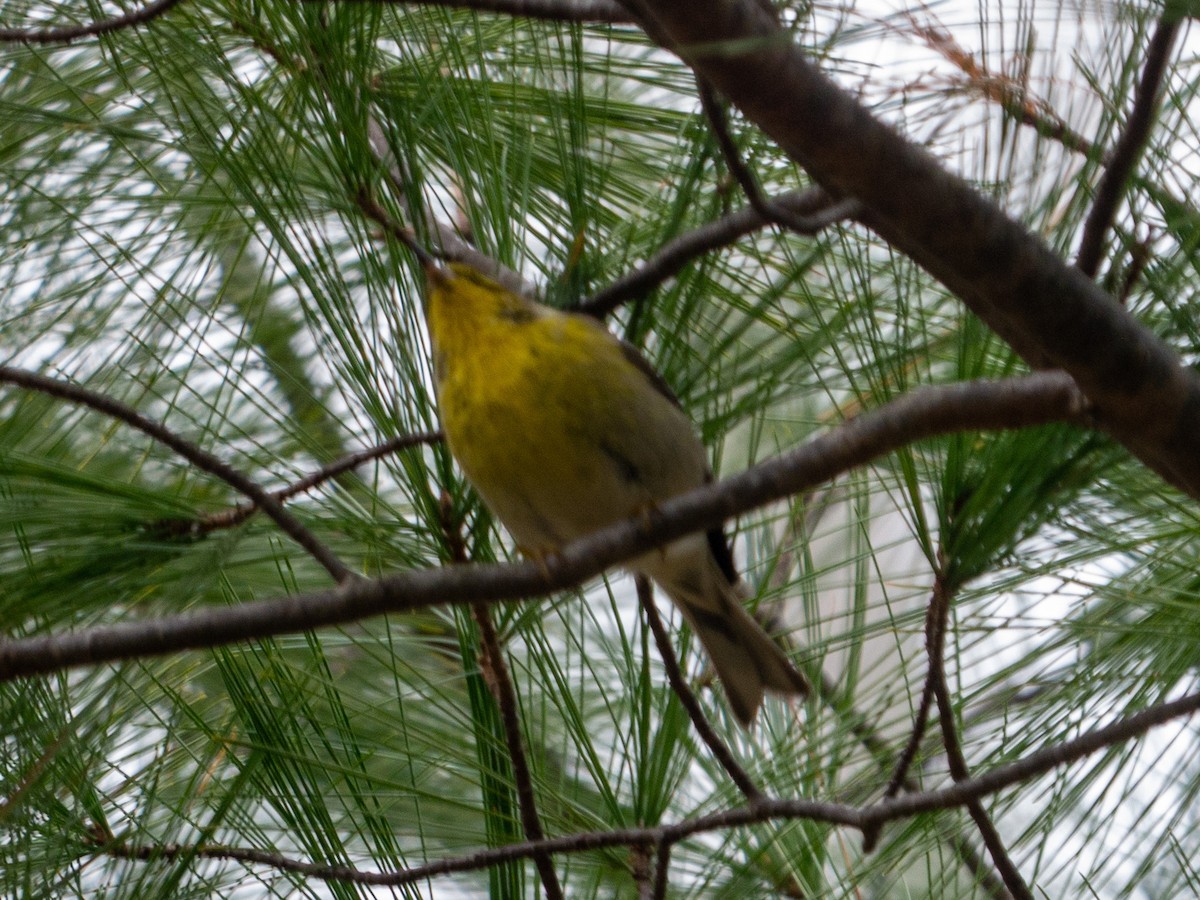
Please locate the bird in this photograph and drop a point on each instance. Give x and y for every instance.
(562, 428)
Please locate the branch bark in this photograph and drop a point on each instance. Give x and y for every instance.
(1046, 309)
(1036, 764)
(1016, 403)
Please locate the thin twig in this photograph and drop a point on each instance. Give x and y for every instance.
(900, 776)
(761, 204)
(69, 33)
(499, 682)
(723, 755)
(1125, 154)
(600, 12)
(231, 518)
(1015, 403)
(1038, 763)
(497, 676)
(453, 248)
(201, 459)
(366, 201)
(900, 780)
(935, 642)
(809, 211)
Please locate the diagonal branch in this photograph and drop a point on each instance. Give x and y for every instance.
(500, 685)
(720, 751)
(201, 459)
(500, 681)
(1111, 188)
(70, 33)
(1048, 311)
(935, 644)
(1015, 403)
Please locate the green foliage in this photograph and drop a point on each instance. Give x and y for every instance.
(180, 231)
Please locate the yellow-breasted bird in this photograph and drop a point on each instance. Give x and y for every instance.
(563, 428)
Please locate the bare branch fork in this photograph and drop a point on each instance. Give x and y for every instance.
(928, 412)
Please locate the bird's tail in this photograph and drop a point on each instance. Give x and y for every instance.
(747, 660)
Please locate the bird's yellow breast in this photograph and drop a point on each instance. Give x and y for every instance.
(550, 420)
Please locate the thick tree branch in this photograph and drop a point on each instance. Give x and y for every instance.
(70, 33)
(201, 459)
(1004, 776)
(1016, 403)
(1125, 155)
(1049, 311)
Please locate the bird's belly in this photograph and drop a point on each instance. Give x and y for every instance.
(563, 446)
(548, 489)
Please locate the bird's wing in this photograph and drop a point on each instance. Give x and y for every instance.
(717, 541)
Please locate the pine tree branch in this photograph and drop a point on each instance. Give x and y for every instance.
(1048, 311)
(201, 459)
(70, 33)
(1125, 154)
(1004, 776)
(1015, 403)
